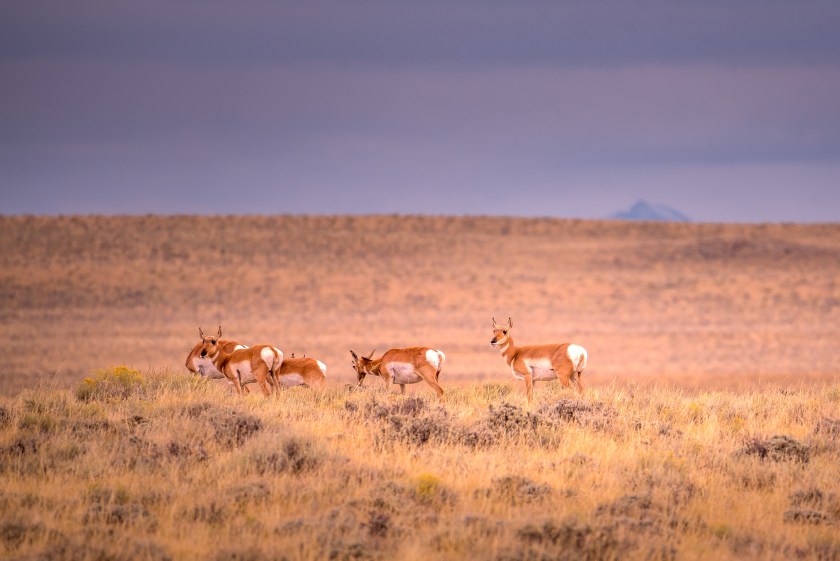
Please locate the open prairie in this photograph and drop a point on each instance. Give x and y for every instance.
(710, 426)
(695, 305)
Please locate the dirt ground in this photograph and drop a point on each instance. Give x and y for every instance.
(693, 305)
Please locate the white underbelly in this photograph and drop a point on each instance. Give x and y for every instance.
(243, 370)
(543, 374)
(403, 373)
(289, 380)
(541, 369)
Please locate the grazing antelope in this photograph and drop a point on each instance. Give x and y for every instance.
(403, 366)
(299, 371)
(203, 366)
(565, 361)
(258, 364)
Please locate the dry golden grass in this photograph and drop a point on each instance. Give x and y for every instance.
(160, 465)
(711, 426)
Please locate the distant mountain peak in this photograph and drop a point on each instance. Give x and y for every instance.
(643, 210)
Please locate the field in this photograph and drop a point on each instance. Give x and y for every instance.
(694, 305)
(161, 466)
(710, 425)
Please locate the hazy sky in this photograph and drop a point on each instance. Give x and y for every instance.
(727, 111)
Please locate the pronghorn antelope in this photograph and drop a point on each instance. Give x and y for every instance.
(402, 366)
(298, 371)
(564, 361)
(203, 366)
(258, 364)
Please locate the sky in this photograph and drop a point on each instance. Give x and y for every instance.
(727, 111)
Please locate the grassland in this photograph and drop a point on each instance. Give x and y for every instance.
(133, 465)
(710, 426)
(696, 305)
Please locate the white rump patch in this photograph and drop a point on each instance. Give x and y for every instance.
(289, 380)
(268, 356)
(322, 366)
(578, 356)
(403, 372)
(433, 358)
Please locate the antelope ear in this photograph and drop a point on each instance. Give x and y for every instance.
(371, 354)
(200, 333)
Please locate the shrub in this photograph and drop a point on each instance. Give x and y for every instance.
(231, 428)
(427, 487)
(118, 382)
(777, 448)
(295, 456)
(588, 542)
(419, 430)
(515, 489)
(502, 422)
(585, 413)
(804, 516)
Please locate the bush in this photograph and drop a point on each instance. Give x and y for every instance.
(427, 487)
(295, 456)
(777, 448)
(118, 382)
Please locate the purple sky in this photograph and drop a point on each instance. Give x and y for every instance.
(728, 111)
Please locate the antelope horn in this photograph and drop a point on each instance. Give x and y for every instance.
(220, 332)
(200, 333)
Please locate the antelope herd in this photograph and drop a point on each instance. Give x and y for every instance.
(266, 366)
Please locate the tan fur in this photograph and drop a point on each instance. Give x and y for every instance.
(265, 375)
(415, 356)
(307, 368)
(227, 345)
(522, 359)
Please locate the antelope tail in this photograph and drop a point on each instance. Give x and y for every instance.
(581, 361)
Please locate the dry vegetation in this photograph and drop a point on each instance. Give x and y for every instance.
(139, 466)
(711, 426)
(696, 305)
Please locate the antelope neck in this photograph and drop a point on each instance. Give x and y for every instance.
(374, 366)
(507, 348)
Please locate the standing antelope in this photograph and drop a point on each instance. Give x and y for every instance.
(403, 366)
(259, 363)
(298, 371)
(564, 361)
(203, 366)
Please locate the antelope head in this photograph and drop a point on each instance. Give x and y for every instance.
(362, 365)
(500, 332)
(210, 343)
